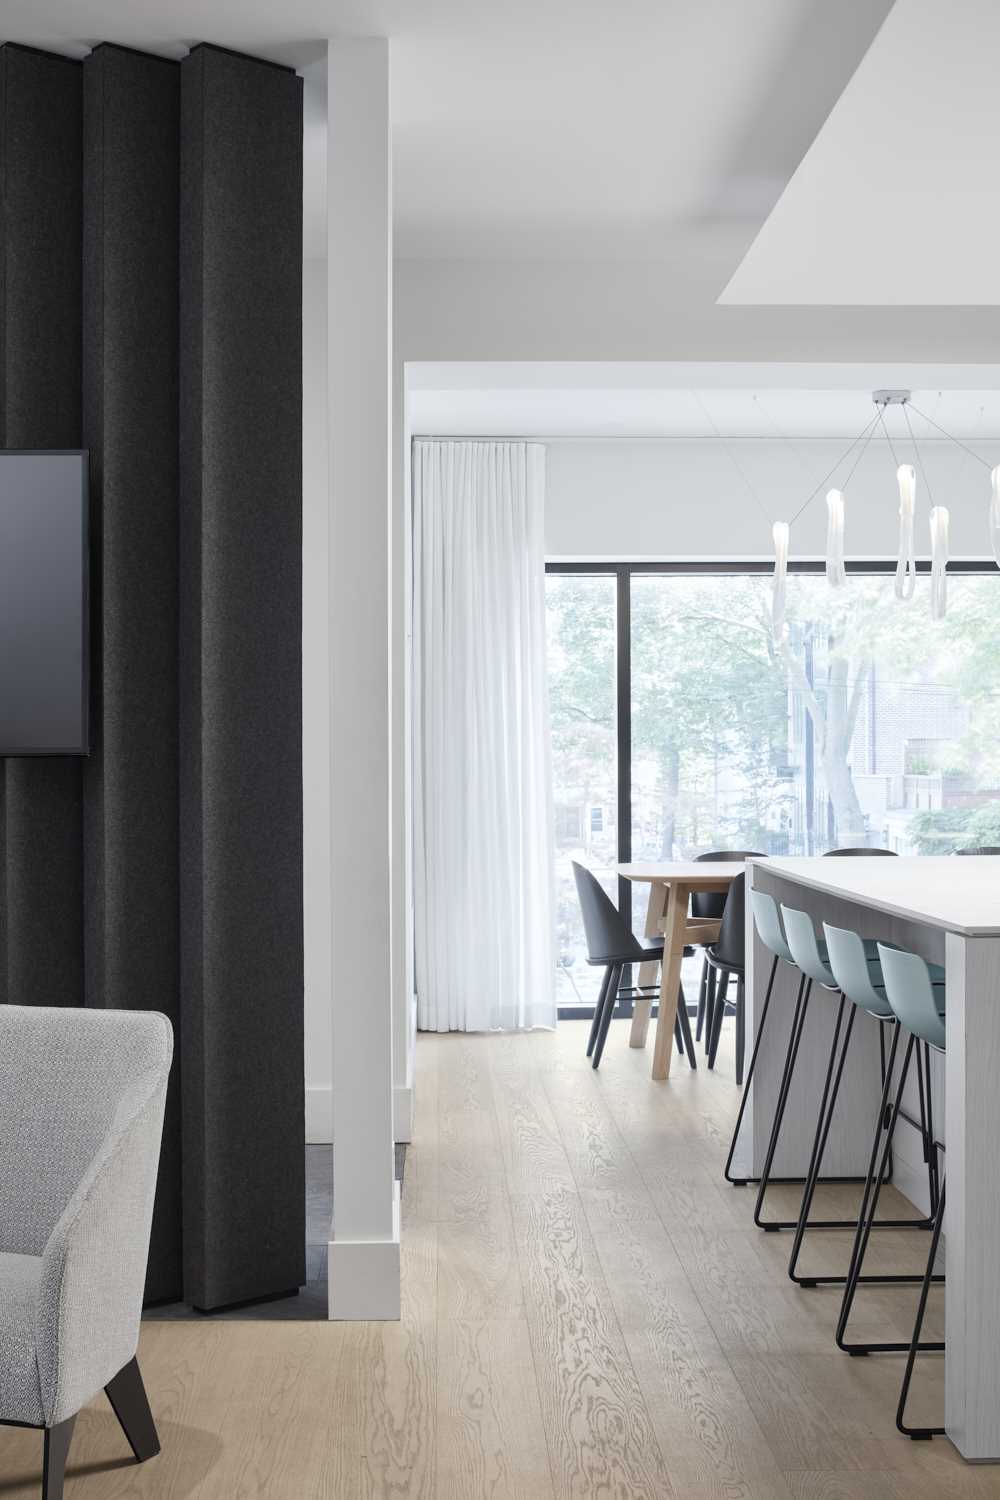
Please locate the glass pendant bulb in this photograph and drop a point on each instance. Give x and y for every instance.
(779, 531)
(939, 562)
(906, 567)
(836, 573)
(995, 513)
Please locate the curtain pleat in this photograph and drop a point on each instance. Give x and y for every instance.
(483, 877)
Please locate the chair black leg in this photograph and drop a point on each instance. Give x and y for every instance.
(595, 1025)
(610, 1001)
(749, 1079)
(702, 999)
(919, 1433)
(684, 1022)
(127, 1395)
(711, 998)
(718, 1016)
(741, 1029)
(57, 1441)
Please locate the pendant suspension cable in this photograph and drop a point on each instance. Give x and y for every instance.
(951, 438)
(920, 462)
(732, 458)
(861, 454)
(862, 436)
(888, 437)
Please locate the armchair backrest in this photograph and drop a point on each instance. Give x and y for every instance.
(64, 1074)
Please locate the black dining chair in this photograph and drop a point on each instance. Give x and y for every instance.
(612, 945)
(854, 853)
(708, 906)
(981, 849)
(727, 957)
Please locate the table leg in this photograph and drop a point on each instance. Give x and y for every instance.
(972, 1216)
(670, 977)
(647, 972)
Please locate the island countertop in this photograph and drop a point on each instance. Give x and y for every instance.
(956, 894)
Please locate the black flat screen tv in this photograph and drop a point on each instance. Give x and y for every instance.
(44, 609)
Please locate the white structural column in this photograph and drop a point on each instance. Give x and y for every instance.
(364, 1242)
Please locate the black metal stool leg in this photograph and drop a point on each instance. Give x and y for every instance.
(595, 1025)
(866, 1222)
(920, 1433)
(610, 1001)
(833, 1076)
(798, 1021)
(749, 1078)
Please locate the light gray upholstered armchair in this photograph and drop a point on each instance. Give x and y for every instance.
(81, 1114)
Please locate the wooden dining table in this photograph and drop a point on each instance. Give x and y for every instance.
(671, 883)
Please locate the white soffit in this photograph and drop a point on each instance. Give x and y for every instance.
(895, 202)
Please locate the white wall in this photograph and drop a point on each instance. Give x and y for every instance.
(315, 703)
(685, 499)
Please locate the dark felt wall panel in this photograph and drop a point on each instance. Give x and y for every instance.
(41, 859)
(240, 770)
(130, 396)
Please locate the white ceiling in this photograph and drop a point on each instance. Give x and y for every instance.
(895, 202)
(549, 129)
(783, 402)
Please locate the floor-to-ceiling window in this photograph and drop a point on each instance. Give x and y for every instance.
(681, 724)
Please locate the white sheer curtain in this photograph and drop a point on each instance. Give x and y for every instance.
(483, 877)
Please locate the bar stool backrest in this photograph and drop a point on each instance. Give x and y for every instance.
(708, 906)
(858, 853)
(768, 924)
(608, 938)
(909, 991)
(801, 935)
(849, 965)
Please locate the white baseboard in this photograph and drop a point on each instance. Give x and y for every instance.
(364, 1277)
(319, 1115)
(402, 1114)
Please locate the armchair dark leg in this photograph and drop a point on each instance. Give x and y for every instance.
(127, 1395)
(57, 1441)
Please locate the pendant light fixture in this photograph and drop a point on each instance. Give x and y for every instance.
(906, 565)
(836, 572)
(906, 479)
(780, 533)
(939, 562)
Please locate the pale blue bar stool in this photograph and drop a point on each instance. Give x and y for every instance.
(846, 963)
(919, 1005)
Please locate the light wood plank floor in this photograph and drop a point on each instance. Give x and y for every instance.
(588, 1313)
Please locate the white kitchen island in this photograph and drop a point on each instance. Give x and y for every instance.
(948, 910)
